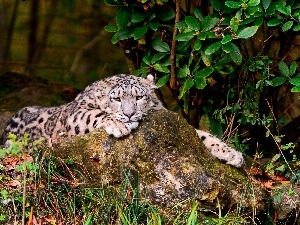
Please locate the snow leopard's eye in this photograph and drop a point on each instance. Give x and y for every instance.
(117, 99)
(139, 97)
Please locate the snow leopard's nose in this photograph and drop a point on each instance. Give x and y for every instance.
(129, 114)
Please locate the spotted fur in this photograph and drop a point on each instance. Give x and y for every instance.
(221, 150)
(115, 104)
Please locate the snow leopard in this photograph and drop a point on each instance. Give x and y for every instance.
(116, 104)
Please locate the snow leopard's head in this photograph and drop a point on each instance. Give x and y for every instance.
(130, 97)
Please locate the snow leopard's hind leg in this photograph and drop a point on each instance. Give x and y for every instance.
(221, 150)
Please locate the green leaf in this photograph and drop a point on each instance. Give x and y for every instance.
(165, 15)
(122, 35)
(233, 5)
(207, 59)
(234, 24)
(140, 32)
(286, 10)
(198, 14)
(165, 62)
(216, 4)
(253, 10)
(284, 69)
(152, 16)
(239, 14)
(216, 127)
(295, 89)
(202, 36)
(188, 84)
(163, 80)
(271, 9)
(296, 5)
(247, 21)
(209, 23)
(274, 22)
(197, 45)
(161, 68)
(295, 81)
(213, 48)
(160, 46)
(192, 22)
(293, 68)
(281, 168)
(138, 17)
(142, 70)
(183, 72)
(286, 26)
(111, 2)
(154, 26)
(114, 39)
(278, 81)
(266, 3)
(111, 28)
(253, 2)
(147, 59)
(183, 46)
(181, 25)
(200, 82)
(226, 39)
(123, 16)
(235, 53)
(225, 69)
(258, 21)
(204, 72)
(157, 57)
(297, 27)
(247, 32)
(185, 36)
(21, 167)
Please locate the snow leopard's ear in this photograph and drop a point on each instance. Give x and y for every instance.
(150, 80)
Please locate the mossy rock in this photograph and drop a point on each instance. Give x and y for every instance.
(171, 163)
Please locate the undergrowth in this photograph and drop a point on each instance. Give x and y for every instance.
(37, 188)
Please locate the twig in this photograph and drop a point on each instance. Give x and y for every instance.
(279, 148)
(275, 119)
(24, 197)
(173, 79)
(229, 128)
(82, 50)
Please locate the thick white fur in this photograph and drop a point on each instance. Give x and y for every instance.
(221, 150)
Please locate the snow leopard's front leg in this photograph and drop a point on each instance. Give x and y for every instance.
(111, 124)
(83, 121)
(119, 129)
(221, 150)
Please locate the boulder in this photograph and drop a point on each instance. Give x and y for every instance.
(168, 162)
(4, 117)
(286, 202)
